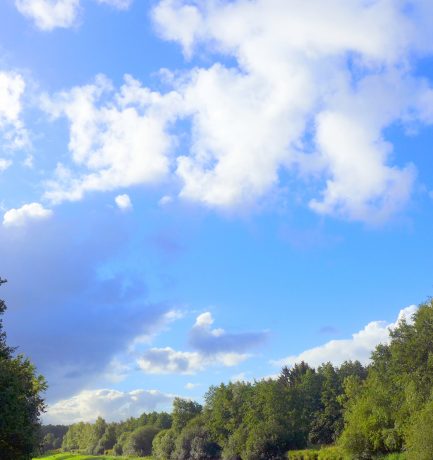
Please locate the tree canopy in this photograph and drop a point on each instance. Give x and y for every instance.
(21, 403)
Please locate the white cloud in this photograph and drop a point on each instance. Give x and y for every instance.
(12, 87)
(169, 361)
(119, 4)
(112, 405)
(123, 202)
(359, 347)
(4, 164)
(287, 104)
(116, 144)
(309, 93)
(165, 200)
(192, 386)
(50, 14)
(213, 347)
(28, 212)
(213, 341)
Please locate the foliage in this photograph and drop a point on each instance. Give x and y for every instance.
(164, 444)
(139, 442)
(20, 401)
(121, 438)
(391, 410)
(303, 454)
(195, 443)
(184, 410)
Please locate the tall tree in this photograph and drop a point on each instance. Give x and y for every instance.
(20, 401)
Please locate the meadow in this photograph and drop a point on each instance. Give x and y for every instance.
(70, 456)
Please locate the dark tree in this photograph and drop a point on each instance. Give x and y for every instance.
(20, 401)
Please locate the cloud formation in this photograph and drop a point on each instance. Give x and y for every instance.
(123, 202)
(25, 214)
(303, 97)
(51, 14)
(13, 132)
(359, 347)
(213, 347)
(114, 144)
(309, 93)
(112, 405)
(78, 316)
(210, 341)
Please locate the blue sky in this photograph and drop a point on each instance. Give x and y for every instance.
(197, 192)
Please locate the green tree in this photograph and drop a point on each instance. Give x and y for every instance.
(164, 444)
(139, 442)
(196, 443)
(20, 401)
(184, 410)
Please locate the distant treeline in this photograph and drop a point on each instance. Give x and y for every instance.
(367, 411)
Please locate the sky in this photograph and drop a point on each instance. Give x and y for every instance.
(196, 192)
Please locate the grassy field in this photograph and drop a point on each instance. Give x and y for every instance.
(66, 456)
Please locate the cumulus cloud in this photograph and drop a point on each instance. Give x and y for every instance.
(212, 347)
(28, 212)
(51, 14)
(120, 143)
(123, 202)
(12, 129)
(359, 347)
(169, 361)
(112, 405)
(309, 94)
(288, 103)
(211, 341)
(4, 164)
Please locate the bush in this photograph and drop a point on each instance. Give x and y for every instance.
(140, 441)
(332, 453)
(195, 443)
(395, 456)
(163, 444)
(419, 438)
(303, 455)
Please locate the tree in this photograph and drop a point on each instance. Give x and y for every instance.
(184, 410)
(195, 443)
(139, 442)
(20, 401)
(164, 444)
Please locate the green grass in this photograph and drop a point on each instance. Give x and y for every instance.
(66, 456)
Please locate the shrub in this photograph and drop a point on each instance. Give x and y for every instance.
(140, 441)
(419, 438)
(332, 453)
(163, 444)
(303, 455)
(195, 443)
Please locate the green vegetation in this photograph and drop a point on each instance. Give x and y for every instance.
(350, 412)
(20, 401)
(71, 456)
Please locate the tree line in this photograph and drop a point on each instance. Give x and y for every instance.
(366, 411)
